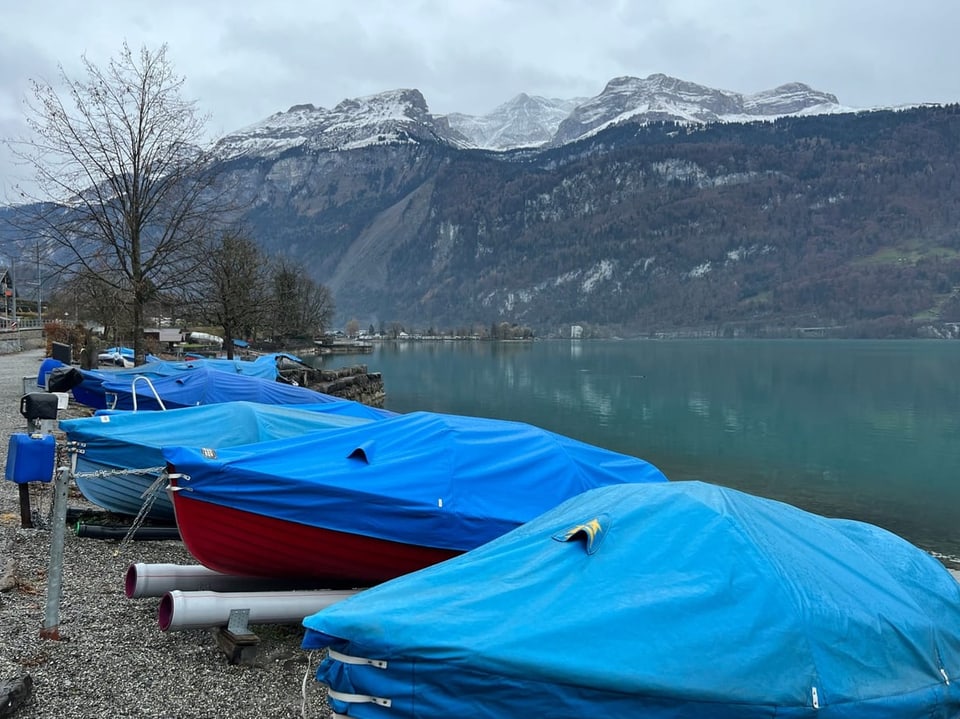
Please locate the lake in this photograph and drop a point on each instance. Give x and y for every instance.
(865, 430)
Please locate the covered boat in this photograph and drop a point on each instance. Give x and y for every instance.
(364, 504)
(206, 385)
(119, 356)
(133, 441)
(659, 600)
(91, 391)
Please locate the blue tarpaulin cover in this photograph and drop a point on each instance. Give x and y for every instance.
(204, 385)
(118, 440)
(423, 478)
(658, 600)
(91, 391)
(126, 436)
(133, 439)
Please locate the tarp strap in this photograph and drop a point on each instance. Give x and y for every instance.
(347, 659)
(946, 677)
(358, 698)
(816, 699)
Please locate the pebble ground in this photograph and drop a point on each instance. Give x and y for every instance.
(112, 660)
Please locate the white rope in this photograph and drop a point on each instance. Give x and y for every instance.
(303, 687)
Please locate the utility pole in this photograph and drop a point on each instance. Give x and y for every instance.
(39, 289)
(13, 289)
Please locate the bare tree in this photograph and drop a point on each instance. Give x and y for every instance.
(90, 294)
(300, 306)
(124, 185)
(237, 286)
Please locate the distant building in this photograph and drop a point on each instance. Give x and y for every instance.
(163, 334)
(576, 332)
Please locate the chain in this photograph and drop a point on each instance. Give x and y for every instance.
(150, 495)
(40, 494)
(101, 473)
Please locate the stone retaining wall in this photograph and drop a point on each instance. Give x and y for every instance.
(354, 383)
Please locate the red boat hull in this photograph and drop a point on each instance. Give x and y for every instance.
(234, 541)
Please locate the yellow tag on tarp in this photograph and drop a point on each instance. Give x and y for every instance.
(592, 532)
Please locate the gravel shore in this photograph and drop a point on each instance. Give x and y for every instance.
(112, 660)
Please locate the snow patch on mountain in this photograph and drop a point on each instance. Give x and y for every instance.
(385, 118)
(663, 98)
(524, 121)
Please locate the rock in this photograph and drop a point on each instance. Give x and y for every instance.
(14, 693)
(7, 579)
(7, 568)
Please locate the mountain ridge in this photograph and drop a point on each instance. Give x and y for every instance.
(523, 122)
(842, 220)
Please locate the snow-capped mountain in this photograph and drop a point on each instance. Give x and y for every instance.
(402, 116)
(524, 121)
(660, 97)
(385, 118)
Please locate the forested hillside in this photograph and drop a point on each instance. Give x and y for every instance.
(840, 220)
(849, 222)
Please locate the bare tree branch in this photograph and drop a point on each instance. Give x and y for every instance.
(125, 186)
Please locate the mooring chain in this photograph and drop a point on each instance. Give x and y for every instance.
(41, 493)
(101, 473)
(150, 495)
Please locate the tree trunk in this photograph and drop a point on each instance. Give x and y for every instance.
(139, 354)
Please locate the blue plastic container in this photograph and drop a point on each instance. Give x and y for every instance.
(30, 458)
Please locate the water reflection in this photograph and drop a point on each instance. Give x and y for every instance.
(866, 430)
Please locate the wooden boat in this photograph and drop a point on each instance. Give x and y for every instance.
(361, 505)
(240, 542)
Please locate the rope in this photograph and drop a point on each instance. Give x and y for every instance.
(303, 686)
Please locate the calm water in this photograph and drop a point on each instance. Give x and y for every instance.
(857, 429)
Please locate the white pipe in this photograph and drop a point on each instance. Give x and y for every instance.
(155, 580)
(201, 609)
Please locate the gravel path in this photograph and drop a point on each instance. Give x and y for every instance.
(112, 660)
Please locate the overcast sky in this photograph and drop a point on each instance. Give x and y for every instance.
(246, 59)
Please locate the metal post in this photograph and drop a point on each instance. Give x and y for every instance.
(26, 518)
(26, 514)
(51, 618)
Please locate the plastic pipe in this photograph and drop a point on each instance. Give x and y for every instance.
(98, 531)
(155, 580)
(76, 514)
(202, 609)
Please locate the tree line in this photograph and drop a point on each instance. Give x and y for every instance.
(135, 215)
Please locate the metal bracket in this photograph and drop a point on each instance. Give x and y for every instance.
(238, 623)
